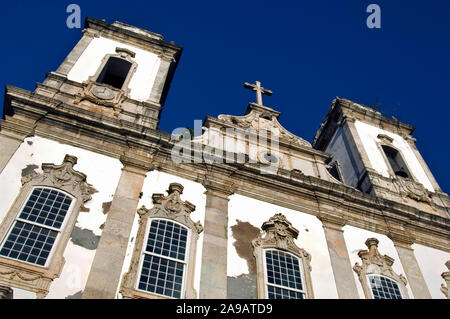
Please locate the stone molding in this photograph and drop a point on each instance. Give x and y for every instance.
(6, 292)
(446, 276)
(280, 234)
(63, 177)
(375, 263)
(170, 207)
(110, 137)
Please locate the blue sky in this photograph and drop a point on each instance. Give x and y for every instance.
(306, 52)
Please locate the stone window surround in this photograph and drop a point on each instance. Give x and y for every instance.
(185, 261)
(31, 277)
(123, 54)
(60, 231)
(373, 263)
(172, 208)
(302, 273)
(387, 141)
(391, 279)
(280, 235)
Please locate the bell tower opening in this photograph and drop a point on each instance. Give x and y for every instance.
(114, 72)
(396, 161)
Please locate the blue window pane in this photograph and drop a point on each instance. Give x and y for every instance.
(384, 288)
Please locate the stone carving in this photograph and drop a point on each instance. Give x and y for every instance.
(261, 119)
(6, 292)
(168, 207)
(280, 234)
(101, 94)
(375, 263)
(64, 177)
(407, 187)
(446, 275)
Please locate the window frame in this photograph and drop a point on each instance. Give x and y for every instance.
(171, 208)
(144, 252)
(279, 234)
(59, 231)
(32, 277)
(302, 275)
(387, 277)
(123, 54)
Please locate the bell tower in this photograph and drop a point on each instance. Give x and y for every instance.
(116, 70)
(378, 156)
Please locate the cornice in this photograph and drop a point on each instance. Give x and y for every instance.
(295, 191)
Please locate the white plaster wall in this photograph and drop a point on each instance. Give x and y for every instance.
(90, 60)
(355, 239)
(432, 263)
(368, 135)
(158, 182)
(104, 177)
(311, 238)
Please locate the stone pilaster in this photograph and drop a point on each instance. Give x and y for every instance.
(340, 260)
(213, 277)
(76, 52)
(411, 267)
(106, 269)
(160, 81)
(446, 275)
(6, 292)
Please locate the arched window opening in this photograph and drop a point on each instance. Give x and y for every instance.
(36, 227)
(115, 72)
(284, 276)
(384, 288)
(396, 161)
(164, 259)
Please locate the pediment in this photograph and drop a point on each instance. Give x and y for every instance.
(260, 118)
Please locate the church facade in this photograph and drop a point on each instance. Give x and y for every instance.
(97, 202)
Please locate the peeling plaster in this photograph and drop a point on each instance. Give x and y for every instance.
(244, 233)
(242, 287)
(76, 295)
(84, 238)
(106, 206)
(29, 169)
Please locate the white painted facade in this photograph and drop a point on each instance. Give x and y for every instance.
(368, 135)
(90, 61)
(104, 177)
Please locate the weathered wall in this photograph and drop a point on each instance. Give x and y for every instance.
(368, 135)
(104, 176)
(142, 81)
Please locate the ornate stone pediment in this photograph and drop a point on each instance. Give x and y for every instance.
(63, 176)
(169, 207)
(263, 118)
(375, 263)
(280, 234)
(172, 207)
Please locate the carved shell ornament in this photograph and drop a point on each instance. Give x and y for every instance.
(172, 207)
(63, 175)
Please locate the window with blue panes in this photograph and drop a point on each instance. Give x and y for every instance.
(384, 288)
(164, 259)
(37, 226)
(284, 277)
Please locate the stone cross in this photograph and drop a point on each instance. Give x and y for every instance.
(259, 91)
